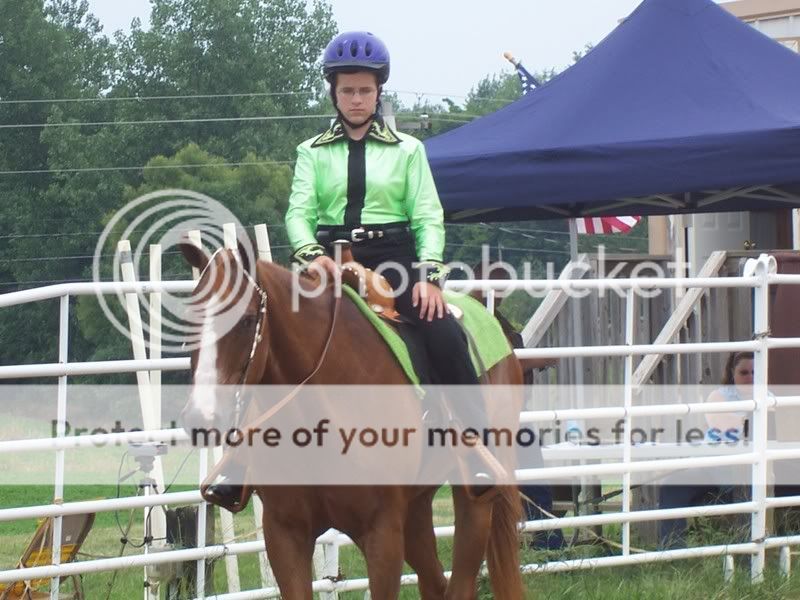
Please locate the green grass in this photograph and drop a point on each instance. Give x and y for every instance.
(694, 579)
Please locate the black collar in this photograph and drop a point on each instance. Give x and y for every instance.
(378, 131)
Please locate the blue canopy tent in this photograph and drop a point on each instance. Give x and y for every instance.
(681, 109)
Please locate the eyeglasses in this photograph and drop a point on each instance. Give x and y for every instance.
(350, 92)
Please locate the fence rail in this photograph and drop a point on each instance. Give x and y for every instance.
(760, 276)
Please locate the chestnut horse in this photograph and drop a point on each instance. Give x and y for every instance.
(333, 342)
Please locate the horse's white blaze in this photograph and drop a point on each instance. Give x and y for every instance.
(205, 377)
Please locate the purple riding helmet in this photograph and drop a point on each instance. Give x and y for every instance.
(356, 50)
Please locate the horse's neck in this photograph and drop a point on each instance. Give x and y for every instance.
(296, 338)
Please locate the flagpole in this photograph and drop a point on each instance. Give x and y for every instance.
(529, 82)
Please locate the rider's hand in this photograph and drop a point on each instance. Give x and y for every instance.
(430, 300)
(327, 265)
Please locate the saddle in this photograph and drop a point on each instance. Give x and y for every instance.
(372, 287)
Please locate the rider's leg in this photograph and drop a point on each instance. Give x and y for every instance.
(448, 349)
(445, 342)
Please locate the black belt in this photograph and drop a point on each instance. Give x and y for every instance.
(360, 234)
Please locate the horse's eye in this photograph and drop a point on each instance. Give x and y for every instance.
(249, 321)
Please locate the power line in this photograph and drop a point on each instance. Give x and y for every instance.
(149, 98)
(538, 251)
(187, 166)
(543, 251)
(79, 233)
(231, 95)
(506, 100)
(15, 236)
(91, 256)
(529, 233)
(43, 282)
(436, 116)
(163, 121)
(446, 120)
(71, 257)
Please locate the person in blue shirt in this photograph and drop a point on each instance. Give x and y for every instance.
(737, 384)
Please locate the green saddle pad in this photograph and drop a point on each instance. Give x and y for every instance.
(483, 328)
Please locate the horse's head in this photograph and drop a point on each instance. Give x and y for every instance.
(229, 312)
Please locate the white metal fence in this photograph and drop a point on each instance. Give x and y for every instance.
(759, 275)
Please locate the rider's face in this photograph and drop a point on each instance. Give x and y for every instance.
(357, 96)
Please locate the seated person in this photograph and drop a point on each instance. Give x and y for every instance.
(737, 384)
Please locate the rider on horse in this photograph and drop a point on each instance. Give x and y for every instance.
(362, 182)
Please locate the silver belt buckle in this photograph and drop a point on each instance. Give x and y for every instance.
(355, 232)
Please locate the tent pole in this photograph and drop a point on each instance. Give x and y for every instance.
(587, 483)
(573, 240)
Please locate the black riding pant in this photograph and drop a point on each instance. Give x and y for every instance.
(444, 339)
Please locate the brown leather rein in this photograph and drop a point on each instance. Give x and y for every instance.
(337, 302)
(257, 339)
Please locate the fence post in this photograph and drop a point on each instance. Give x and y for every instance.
(225, 517)
(326, 563)
(194, 238)
(628, 400)
(490, 300)
(150, 413)
(262, 242)
(202, 520)
(760, 268)
(229, 235)
(58, 492)
(202, 509)
(267, 578)
(155, 330)
(786, 561)
(728, 568)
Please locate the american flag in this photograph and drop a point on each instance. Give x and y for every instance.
(529, 82)
(605, 225)
(585, 225)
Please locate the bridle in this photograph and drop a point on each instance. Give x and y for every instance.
(258, 337)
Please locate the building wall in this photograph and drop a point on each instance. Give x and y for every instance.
(779, 19)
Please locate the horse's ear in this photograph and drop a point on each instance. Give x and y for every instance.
(195, 256)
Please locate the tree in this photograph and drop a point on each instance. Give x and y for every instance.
(54, 49)
(48, 51)
(196, 47)
(254, 193)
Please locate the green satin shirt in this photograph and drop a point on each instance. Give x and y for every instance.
(399, 187)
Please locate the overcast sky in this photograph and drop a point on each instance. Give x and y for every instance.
(447, 46)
